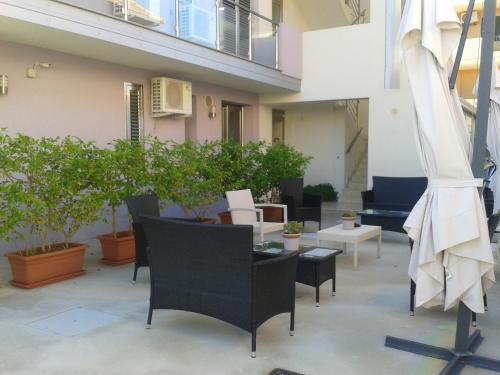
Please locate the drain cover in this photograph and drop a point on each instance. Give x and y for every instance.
(74, 322)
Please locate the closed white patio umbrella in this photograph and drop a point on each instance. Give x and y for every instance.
(451, 261)
(448, 224)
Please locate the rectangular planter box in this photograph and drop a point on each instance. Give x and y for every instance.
(117, 251)
(42, 269)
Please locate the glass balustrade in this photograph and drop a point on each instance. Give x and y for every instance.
(226, 25)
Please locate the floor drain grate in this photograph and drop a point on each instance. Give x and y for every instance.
(74, 322)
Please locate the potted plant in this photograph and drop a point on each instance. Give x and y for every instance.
(242, 169)
(291, 235)
(348, 220)
(46, 188)
(196, 180)
(123, 173)
(279, 162)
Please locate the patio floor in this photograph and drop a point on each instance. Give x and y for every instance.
(95, 325)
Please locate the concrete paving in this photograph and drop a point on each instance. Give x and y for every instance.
(343, 336)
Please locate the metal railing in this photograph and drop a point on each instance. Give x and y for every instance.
(356, 149)
(225, 25)
(358, 15)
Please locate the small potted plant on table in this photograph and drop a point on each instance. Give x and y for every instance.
(291, 235)
(349, 220)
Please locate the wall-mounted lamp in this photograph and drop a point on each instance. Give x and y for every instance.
(32, 72)
(212, 109)
(4, 84)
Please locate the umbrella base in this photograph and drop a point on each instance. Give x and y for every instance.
(456, 361)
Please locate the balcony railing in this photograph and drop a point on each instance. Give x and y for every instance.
(225, 25)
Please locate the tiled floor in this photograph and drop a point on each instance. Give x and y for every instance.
(95, 325)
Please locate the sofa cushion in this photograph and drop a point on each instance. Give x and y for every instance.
(398, 191)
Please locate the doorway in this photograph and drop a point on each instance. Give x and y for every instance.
(278, 126)
(232, 123)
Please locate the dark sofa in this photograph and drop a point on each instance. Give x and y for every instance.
(394, 193)
(402, 193)
(210, 270)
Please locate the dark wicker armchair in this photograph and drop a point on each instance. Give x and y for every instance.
(301, 207)
(147, 204)
(210, 270)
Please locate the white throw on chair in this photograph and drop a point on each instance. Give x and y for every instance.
(245, 212)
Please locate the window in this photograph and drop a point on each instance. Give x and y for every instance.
(278, 126)
(232, 123)
(134, 111)
(277, 11)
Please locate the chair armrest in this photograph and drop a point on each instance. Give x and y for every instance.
(312, 200)
(258, 211)
(274, 285)
(270, 205)
(282, 206)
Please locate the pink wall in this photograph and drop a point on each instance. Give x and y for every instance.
(210, 129)
(84, 97)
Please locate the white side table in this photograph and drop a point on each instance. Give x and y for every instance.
(354, 236)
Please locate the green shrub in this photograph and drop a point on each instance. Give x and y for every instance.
(47, 186)
(326, 191)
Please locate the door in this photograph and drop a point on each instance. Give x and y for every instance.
(278, 126)
(232, 123)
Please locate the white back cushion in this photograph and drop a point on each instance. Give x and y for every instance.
(241, 199)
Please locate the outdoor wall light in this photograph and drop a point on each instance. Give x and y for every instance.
(32, 72)
(212, 109)
(4, 84)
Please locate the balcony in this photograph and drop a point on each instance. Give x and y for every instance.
(219, 24)
(218, 42)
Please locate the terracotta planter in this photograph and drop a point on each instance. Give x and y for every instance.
(349, 223)
(37, 270)
(225, 217)
(291, 241)
(117, 251)
(273, 214)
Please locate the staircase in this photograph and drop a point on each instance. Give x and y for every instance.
(350, 197)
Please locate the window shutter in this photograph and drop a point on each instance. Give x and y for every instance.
(135, 113)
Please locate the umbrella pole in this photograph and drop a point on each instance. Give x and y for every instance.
(466, 345)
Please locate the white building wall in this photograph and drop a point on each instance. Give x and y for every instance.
(319, 131)
(349, 62)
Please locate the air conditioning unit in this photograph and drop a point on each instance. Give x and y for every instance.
(171, 97)
(197, 23)
(474, 19)
(137, 13)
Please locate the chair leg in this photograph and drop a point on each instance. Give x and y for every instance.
(135, 274)
(413, 288)
(292, 322)
(150, 316)
(253, 354)
(474, 319)
(485, 299)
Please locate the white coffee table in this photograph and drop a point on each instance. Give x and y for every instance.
(354, 236)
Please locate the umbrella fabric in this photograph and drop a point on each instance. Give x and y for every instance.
(448, 224)
(493, 139)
